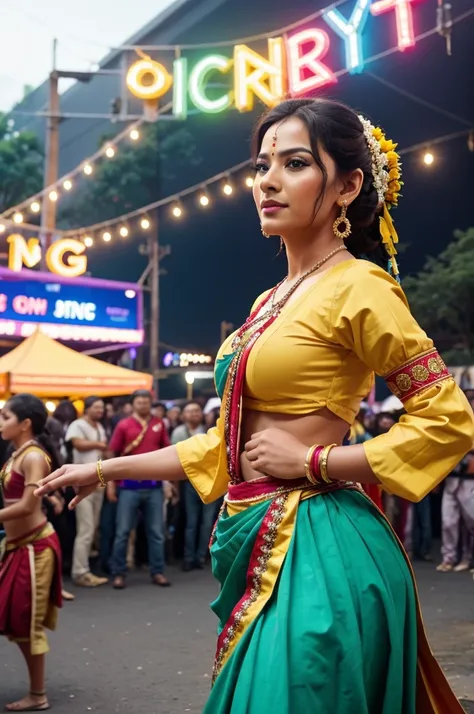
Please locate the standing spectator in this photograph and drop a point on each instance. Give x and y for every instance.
(88, 440)
(457, 507)
(199, 516)
(159, 410)
(174, 418)
(110, 420)
(139, 434)
(65, 413)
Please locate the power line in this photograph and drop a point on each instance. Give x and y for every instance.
(122, 134)
(436, 141)
(202, 185)
(419, 100)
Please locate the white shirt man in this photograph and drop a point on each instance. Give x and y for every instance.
(89, 443)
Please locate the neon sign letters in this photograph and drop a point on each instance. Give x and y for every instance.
(294, 64)
(70, 309)
(64, 257)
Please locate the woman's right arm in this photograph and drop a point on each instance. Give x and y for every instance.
(161, 465)
(200, 458)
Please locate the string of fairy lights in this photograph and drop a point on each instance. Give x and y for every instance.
(16, 216)
(228, 184)
(32, 205)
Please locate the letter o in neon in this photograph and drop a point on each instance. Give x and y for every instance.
(147, 79)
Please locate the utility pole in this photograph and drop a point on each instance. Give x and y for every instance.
(151, 276)
(154, 257)
(51, 161)
(51, 166)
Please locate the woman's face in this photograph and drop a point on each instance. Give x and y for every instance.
(288, 182)
(10, 427)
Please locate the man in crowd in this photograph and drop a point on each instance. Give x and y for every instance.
(87, 436)
(199, 516)
(139, 434)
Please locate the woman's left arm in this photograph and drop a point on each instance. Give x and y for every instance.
(371, 317)
(34, 467)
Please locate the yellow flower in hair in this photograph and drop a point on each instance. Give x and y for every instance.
(377, 133)
(394, 173)
(395, 185)
(392, 158)
(387, 145)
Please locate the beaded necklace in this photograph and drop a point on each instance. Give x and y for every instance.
(257, 317)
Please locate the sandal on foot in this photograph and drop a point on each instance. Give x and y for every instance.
(444, 568)
(39, 707)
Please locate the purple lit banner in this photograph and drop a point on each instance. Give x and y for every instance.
(70, 309)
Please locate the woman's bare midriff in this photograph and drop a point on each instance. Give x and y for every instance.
(19, 527)
(321, 427)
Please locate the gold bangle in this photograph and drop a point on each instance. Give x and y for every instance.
(100, 474)
(307, 463)
(323, 463)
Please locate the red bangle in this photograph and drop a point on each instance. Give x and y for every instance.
(314, 466)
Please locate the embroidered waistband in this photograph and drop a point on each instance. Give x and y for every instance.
(266, 488)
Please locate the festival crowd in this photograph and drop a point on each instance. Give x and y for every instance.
(132, 524)
(149, 524)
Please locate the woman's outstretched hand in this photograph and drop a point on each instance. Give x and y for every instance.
(274, 452)
(83, 478)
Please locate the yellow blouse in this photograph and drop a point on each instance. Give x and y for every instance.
(322, 351)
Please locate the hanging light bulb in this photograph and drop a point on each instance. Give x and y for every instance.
(470, 141)
(227, 188)
(134, 135)
(106, 236)
(249, 182)
(428, 158)
(88, 241)
(145, 224)
(35, 207)
(204, 200)
(123, 231)
(18, 218)
(110, 152)
(53, 196)
(67, 185)
(177, 211)
(87, 169)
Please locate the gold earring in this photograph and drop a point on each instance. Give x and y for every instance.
(344, 222)
(265, 235)
(282, 247)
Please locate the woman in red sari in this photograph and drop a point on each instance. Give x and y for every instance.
(30, 571)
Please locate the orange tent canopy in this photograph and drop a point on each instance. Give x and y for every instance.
(46, 368)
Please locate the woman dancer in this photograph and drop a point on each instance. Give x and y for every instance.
(30, 574)
(318, 609)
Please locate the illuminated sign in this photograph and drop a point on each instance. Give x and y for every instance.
(72, 310)
(294, 64)
(64, 257)
(184, 359)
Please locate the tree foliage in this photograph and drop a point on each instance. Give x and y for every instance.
(442, 296)
(138, 174)
(21, 165)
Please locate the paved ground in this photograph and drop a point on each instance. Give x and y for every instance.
(150, 650)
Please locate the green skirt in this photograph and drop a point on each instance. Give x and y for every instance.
(338, 635)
